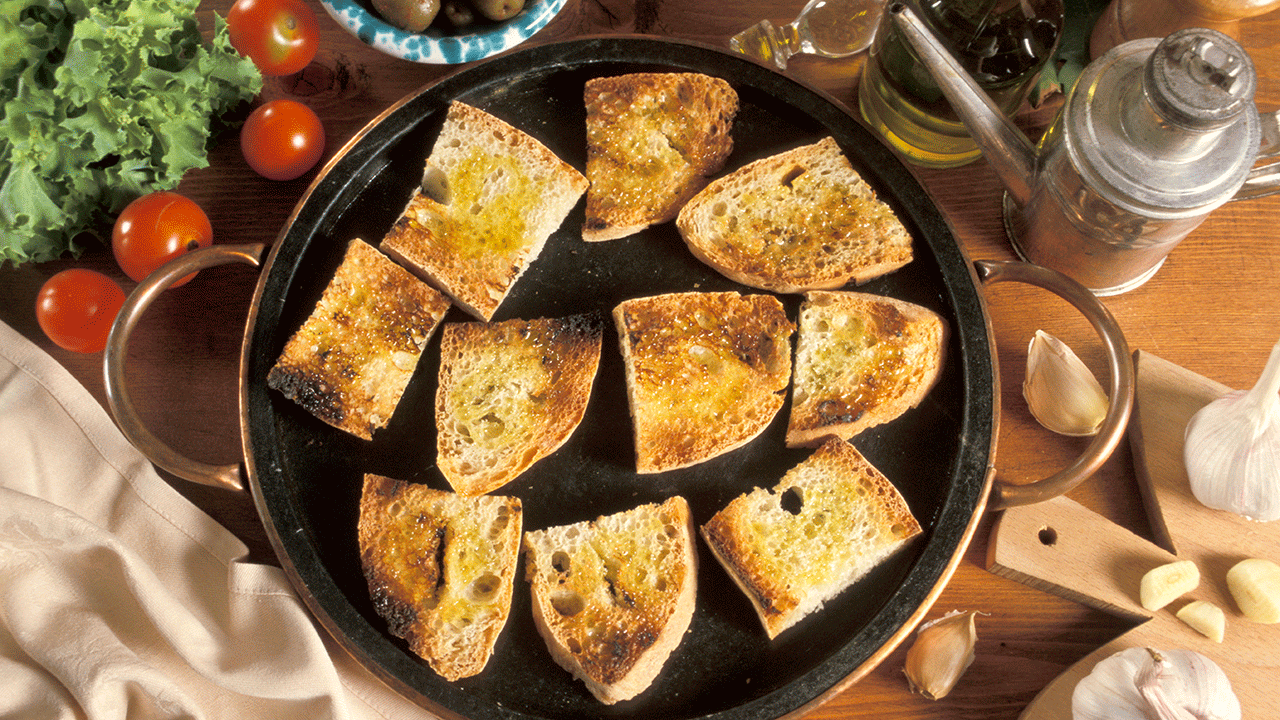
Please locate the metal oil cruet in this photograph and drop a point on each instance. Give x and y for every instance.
(1155, 135)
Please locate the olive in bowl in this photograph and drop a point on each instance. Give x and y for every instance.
(450, 31)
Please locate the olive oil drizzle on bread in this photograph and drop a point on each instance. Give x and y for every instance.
(802, 219)
(861, 360)
(613, 597)
(492, 196)
(440, 568)
(790, 560)
(350, 361)
(653, 141)
(706, 373)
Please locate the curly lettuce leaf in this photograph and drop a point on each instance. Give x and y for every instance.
(102, 101)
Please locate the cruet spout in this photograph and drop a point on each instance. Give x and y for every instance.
(1007, 149)
(828, 28)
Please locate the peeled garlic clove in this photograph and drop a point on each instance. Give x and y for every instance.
(1163, 584)
(1232, 449)
(943, 650)
(1060, 390)
(1255, 586)
(1205, 618)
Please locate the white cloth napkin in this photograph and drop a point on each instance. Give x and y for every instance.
(121, 600)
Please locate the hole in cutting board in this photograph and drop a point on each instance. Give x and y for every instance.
(1048, 536)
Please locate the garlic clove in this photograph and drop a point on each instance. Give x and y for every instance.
(1232, 449)
(1163, 584)
(1254, 584)
(1060, 390)
(1147, 684)
(943, 650)
(1205, 618)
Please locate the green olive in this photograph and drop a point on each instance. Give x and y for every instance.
(411, 15)
(498, 9)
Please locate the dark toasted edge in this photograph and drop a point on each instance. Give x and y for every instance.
(630, 318)
(831, 275)
(404, 620)
(294, 377)
(644, 659)
(717, 105)
(574, 343)
(804, 429)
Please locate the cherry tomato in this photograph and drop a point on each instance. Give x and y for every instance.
(282, 139)
(157, 228)
(279, 36)
(76, 307)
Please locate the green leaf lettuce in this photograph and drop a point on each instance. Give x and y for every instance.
(102, 101)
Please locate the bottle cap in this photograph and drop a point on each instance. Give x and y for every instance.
(1200, 79)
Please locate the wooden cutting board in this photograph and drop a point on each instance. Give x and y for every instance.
(1064, 548)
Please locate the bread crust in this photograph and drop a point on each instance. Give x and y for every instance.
(799, 220)
(861, 360)
(510, 394)
(653, 141)
(706, 373)
(790, 561)
(613, 597)
(504, 193)
(350, 361)
(440, 568)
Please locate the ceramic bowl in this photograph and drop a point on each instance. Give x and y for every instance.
(436, 46)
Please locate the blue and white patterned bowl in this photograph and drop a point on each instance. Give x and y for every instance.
(436, 47)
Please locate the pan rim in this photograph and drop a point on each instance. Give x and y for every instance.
(975, 468)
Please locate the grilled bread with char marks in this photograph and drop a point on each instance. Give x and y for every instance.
(441, 569)
(653, 141)
(613, 597)
(861, 360)
(826, 524)
(706, 373)
(492, 195)
(799, 220)
(510, 394)
(349, 362)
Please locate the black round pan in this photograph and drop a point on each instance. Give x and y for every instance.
(307, 476)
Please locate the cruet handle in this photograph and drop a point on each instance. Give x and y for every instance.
(1264, 180)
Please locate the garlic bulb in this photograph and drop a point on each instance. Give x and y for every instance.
(943, 650)
(1232, 450)
(1060, 390)
(1147, 684)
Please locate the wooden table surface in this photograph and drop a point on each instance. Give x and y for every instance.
(1211, 309)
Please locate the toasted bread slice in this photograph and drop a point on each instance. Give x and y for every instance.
(861, 360)
(706, 372)
(799, 220)
(612, 598)
(441, 569)
(653, 141)
(510, 394)
(352, 358)
(827, 523)
(492, 195)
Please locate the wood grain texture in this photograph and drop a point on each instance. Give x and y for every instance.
(1211, 310)
(1068, 550)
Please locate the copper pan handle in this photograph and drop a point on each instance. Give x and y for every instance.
(113, 359)
(1120, 366)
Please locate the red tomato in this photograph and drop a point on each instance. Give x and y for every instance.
(76, 307)
(282, 139)
(280, 36)
(157, 228)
